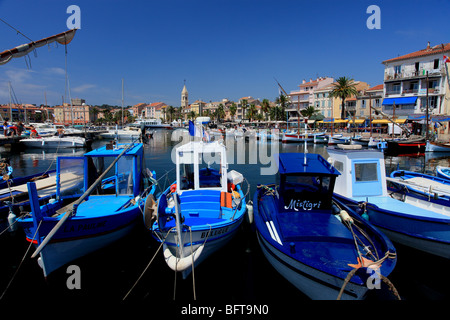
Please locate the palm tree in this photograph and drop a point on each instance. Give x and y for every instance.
(244, 105)
(220, 112)
(265, 106)
(233, 109)
(170, 110)
(309, 112)
(251, 112)
(343, 88)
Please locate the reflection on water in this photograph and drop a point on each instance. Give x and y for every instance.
(249, 157)
(248, 274)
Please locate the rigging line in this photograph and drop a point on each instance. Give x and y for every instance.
(21, 262)
(18, 31)
(148, 265)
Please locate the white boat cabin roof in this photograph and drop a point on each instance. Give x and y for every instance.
(363, 172)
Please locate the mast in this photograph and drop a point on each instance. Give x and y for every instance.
(10, 103)
(370, 115)
(122, 103)
(426, 128)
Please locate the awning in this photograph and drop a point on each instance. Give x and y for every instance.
(357, 121)
(397, 101)
(440, 118)
(415, 117)
(384, 121)
(333, 121)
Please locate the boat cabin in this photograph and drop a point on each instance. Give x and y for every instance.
(306, 182)
(200, 166)
(363, 172)
(125, 177)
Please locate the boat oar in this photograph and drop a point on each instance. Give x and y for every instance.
(72, 211)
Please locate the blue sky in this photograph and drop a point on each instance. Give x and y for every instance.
(222, 48)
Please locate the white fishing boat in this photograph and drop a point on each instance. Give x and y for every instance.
(202, 210)
(434, 146)
(54, 142)
(128, 133)
(363, 185)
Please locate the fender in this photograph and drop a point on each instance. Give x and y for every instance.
(181, 264)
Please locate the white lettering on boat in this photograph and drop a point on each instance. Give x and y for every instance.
(304, 205)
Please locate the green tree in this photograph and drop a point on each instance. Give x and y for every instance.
(252, 112)
(343, 88)
(309, 112)
(265, 106)
(171, 111)
(244, 106)
(233, 109)
(220, 112)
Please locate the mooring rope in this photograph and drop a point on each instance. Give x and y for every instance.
(148, 265)
(21, 262)
(390, 255)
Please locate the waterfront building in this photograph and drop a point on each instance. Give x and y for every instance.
(407, 77)
(324, 103)
(243, 105)
(72, 114)
(197, 106)
(155, 110)
(305, 97)
(352, 107)
(138, 110)
(370, 100)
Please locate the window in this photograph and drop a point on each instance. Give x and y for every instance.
(397, 69)
(436, 64)
(366, 172)
(416, 67)
(305, 193)
(339, 166)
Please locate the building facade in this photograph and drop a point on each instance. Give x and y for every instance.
(305, 96)
(409, 79)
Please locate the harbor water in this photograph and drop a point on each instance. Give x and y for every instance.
(237, 273)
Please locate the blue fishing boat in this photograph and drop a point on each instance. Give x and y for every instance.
(423, 190)
(363, 186)
(71, 226)
(443, 172)
(14, 192)
(312, 240)
(202, 210)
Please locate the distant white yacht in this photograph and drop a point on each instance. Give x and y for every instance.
(151, 123)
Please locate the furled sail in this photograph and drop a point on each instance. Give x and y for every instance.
(17, 52)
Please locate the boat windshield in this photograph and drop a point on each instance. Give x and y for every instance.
(306, 193)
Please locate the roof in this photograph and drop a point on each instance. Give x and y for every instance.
(136, 149)
(440, 48)
(294, 163)
(377, 87)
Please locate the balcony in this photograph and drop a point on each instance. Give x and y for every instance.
(422, 73)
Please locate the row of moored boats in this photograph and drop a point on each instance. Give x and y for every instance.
(328, 226)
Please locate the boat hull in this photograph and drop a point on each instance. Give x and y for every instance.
(437, 147)
(81, 234)
(405, 146)
(429, 234)
(315, 284)
(54, 142)
(205, 238)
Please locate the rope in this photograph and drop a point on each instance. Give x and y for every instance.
(23, 259)
(350, 275)
(10, 226)
(148, 265)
